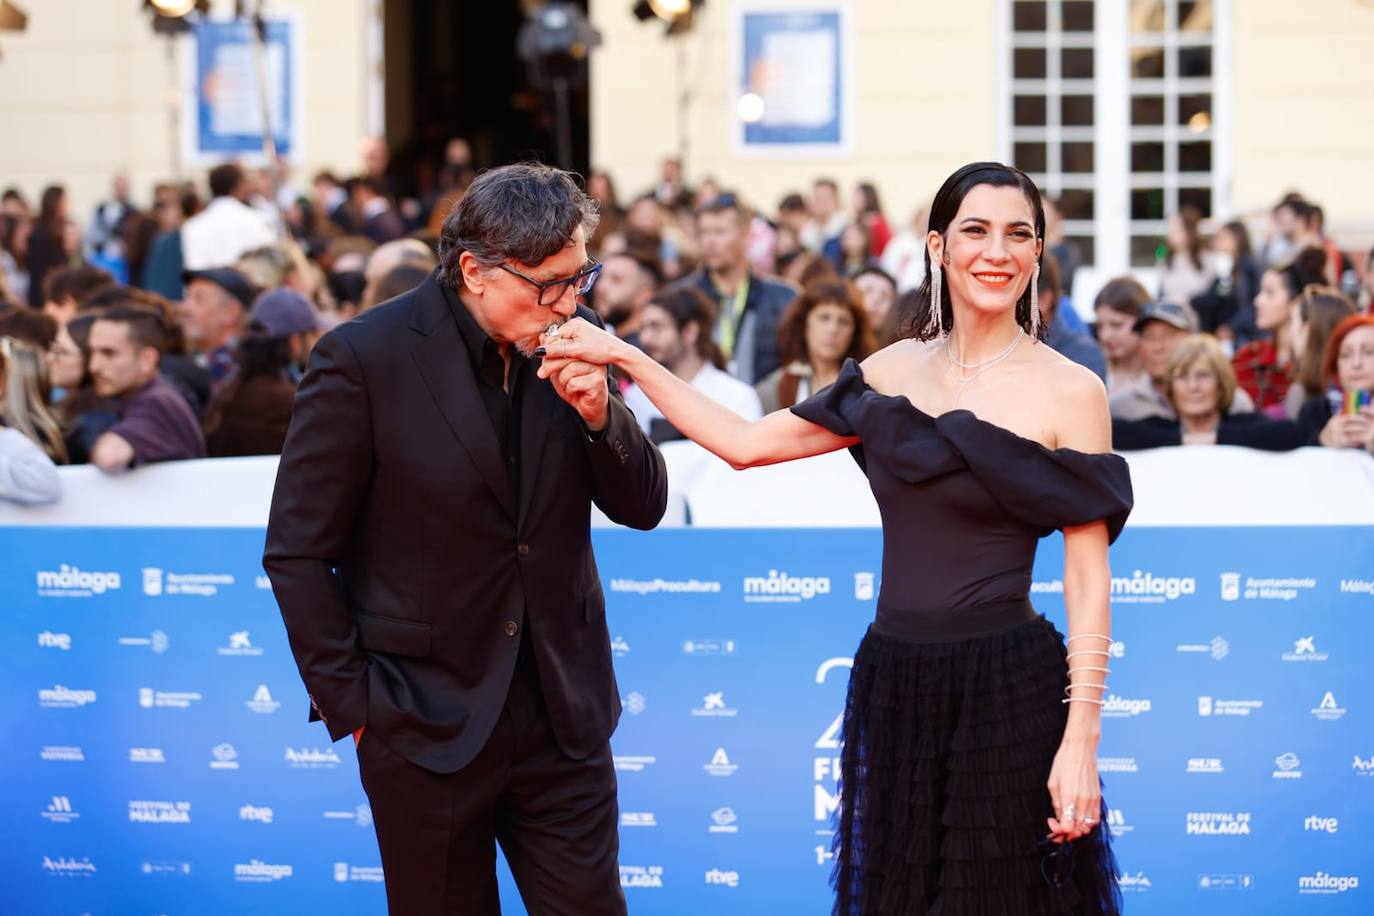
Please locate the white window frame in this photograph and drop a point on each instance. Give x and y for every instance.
(1111, 134)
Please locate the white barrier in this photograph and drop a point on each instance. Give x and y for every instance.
(1220, 485)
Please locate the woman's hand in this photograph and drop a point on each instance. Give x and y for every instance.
(1074, 790)
(578, 340)
(1347, 431)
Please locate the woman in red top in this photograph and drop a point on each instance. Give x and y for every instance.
(1265, 368)
(869, 212)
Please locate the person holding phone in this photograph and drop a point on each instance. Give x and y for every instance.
(1343, 415)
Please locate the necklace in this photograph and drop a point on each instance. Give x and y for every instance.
(976, 369)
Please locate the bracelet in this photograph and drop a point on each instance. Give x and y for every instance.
(1088, 636)
(1088, 652)
(1088, 668)
(1081, 700)
(1068, 687)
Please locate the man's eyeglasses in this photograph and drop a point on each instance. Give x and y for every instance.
(551, 291)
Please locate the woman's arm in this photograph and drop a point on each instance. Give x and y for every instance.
(1083, 423)
(780, 436)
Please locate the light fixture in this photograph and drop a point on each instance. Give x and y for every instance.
(679, 15)
(172, 8)
(1199, 122)
(750, 108)
(668, 10)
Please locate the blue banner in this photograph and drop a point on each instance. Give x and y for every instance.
(159, 757)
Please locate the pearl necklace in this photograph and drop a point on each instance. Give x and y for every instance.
(976, 368)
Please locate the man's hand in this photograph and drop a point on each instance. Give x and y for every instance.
(584, 387)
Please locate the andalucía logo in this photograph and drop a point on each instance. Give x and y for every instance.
(262, 701)
(720, 764)
(73, 582)
(68, 867)
(1328, 710)
(1136, 883)
(781, 587)
(312, 758)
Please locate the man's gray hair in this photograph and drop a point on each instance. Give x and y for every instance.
(526, 212)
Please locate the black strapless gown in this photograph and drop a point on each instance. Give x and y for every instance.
(954, 714)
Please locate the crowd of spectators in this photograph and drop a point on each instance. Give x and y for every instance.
(180, 329)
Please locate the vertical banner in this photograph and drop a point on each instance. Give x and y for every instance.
(158, 758)
(223, 105)
(793, 79)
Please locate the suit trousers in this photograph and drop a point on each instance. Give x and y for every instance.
(556, 820)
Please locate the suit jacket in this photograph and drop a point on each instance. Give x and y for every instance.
(403, 574)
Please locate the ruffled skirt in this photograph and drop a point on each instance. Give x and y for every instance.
(951, 725)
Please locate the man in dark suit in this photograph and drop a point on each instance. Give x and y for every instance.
(429, 546)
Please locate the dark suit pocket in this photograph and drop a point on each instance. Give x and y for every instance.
(393, 636)
(594, 601)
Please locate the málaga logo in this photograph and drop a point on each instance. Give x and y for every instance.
(1147, 588)
(74, 582)
(1115, 707)
(781, 587)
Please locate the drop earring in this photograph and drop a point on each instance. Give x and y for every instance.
(1035, 305)
(936, 302)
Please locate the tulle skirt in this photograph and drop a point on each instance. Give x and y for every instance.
(951, 725)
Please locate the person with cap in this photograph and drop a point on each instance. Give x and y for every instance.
(250, 414)
(212, 314)
(286, 314)
(1161, 326)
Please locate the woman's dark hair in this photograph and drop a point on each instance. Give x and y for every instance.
(1124, 295)
(1323, 309)
(1189, 216)
(258, 354)
(9, 227)
(48, 216)
(917, 315)
(818, 269)
(689, 304)
(1306, 268)
(792, 329)
(872, 204)
(1242, 236)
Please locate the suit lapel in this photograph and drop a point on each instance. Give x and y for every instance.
(448, 373)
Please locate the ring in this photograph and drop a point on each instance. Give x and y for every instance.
(1068, 813)
(1088, 820)
(564, 352)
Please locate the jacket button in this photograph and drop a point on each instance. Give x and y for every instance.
(512, 628)
(523, 550)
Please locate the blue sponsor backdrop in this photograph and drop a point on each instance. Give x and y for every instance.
(158, 757)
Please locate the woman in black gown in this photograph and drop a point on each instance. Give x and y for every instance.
(969, 775)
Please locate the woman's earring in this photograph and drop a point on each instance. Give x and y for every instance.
(936, 302)
(1035, 304)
